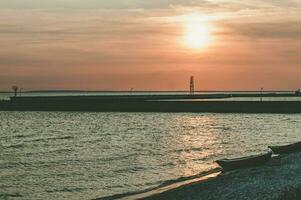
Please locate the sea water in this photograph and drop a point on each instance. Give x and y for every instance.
(82, 155)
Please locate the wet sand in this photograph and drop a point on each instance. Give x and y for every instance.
(279, 179)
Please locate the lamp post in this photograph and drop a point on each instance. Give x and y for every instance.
(15, 89)
(20, 91)
(191, 85)
(261, 98)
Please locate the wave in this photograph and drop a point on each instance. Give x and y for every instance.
(15, 146)
(181, 179)
(22, 136)
(161, 185)
(59, 151)
(129, 170)
(10, 195)
(65, 190)
(189, 149)
(118, 157)
(67, 137)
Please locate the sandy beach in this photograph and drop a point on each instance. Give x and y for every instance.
(279, 179)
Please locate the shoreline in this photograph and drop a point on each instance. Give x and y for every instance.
(173, 186)
(279, 179)
(167, 185)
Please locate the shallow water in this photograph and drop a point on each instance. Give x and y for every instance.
(61, 155)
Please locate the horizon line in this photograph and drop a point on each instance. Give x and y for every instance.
(139, 91)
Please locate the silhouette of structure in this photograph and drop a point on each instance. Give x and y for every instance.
(15, 89)
(261, 94)
(20, 91)
(191, 85)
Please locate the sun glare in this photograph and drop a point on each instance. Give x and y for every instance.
(197, 32)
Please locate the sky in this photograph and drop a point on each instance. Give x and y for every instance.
(150, 44)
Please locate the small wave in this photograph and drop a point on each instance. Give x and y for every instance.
(189, 149)
(65, 190)
(197, 149)
(59, 151)
(169, 164)
(223, 128)
(181, 179)
(129, 170)
(36, 140)
(10, 165)
(67, 137)
(118, 157)
(9, 195)
(177, 150)
(96, 140)
(15, 146)
(22, 136)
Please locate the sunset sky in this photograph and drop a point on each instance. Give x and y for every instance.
(150, 44)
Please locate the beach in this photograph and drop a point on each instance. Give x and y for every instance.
(279, 179)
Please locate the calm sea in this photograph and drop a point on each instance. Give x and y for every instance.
(81, 155)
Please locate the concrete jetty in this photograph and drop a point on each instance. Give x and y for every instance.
(151, 103)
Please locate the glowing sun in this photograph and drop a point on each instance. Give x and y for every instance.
(197, 32)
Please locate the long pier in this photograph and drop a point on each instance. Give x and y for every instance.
(153, 103)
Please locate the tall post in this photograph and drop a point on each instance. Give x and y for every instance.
(15, 89)
(191, 85)
(20, 91)
(261, 94)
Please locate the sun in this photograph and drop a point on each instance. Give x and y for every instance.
(197, 32)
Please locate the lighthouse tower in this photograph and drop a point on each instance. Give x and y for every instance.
(191, 85)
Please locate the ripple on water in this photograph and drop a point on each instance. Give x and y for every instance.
(72, 155)
(15, 146)
(10, 195)
(67, 137)
(66, 190)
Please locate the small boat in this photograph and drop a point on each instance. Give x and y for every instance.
(286, 148)
(244, 162)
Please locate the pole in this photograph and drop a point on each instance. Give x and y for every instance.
(261, 98)
(20, 91)
(191, 85)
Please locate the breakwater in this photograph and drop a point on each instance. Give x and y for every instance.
(150, 103)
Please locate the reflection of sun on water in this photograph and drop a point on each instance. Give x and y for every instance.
(197, 32)
(195, 144)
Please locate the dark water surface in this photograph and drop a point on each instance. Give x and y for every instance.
(61, 155)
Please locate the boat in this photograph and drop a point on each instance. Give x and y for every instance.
(290, 148)
(244, 162)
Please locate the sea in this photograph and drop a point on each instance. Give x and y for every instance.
(89, 155)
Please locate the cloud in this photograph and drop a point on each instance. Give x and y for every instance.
(289, 30)
(103, 44)
(97, 4)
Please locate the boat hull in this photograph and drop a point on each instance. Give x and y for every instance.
(286, 148)
(244, 162)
